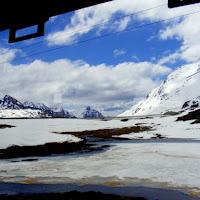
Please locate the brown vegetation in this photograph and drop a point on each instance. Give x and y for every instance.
(107, 133)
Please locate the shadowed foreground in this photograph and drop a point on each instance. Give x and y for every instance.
(74, 195)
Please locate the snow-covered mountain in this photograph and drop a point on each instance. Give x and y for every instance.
(46, 111)
(12, 108)
(35, 106)
(63, 112)
(9, 102)
(87, 112)
(179, 91)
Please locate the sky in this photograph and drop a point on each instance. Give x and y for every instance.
(108, 56)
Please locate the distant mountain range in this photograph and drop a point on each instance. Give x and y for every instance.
(180, 91)
(12, 108)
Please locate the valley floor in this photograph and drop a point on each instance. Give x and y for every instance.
(167, 155)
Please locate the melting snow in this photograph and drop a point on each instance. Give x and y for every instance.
(170, 162)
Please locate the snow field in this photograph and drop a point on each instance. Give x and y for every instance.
(153, 163)
(40, 131)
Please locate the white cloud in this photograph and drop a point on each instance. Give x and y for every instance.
(119, 52)
(82, 22)
(135, 57)
(86, 19)
(153, 58)
(151, 38)
(67, 83)
(187, 31)
(171, 58)
(7, 55)
(122, 24)
(191, 53)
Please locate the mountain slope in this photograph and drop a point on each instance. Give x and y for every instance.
(23, 113)
(179, 91)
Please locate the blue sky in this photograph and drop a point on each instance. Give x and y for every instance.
(84, 63)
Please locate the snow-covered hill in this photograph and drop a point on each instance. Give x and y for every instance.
(179, 91)
(87, 112)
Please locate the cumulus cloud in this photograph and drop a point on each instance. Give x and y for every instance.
(7, 55)
(187, 31)
(67, 83)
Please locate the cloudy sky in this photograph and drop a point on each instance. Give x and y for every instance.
(108, 56)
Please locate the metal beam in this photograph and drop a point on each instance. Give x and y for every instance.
(178, 3)
(16, 15)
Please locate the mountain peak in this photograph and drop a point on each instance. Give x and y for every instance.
(9, 102)
(8, 97)
(88, 108)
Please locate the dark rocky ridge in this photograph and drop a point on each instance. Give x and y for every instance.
(193, 115)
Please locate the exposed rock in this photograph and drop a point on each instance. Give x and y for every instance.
(191, 116)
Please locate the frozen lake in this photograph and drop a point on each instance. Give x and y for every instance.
(171, 163)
